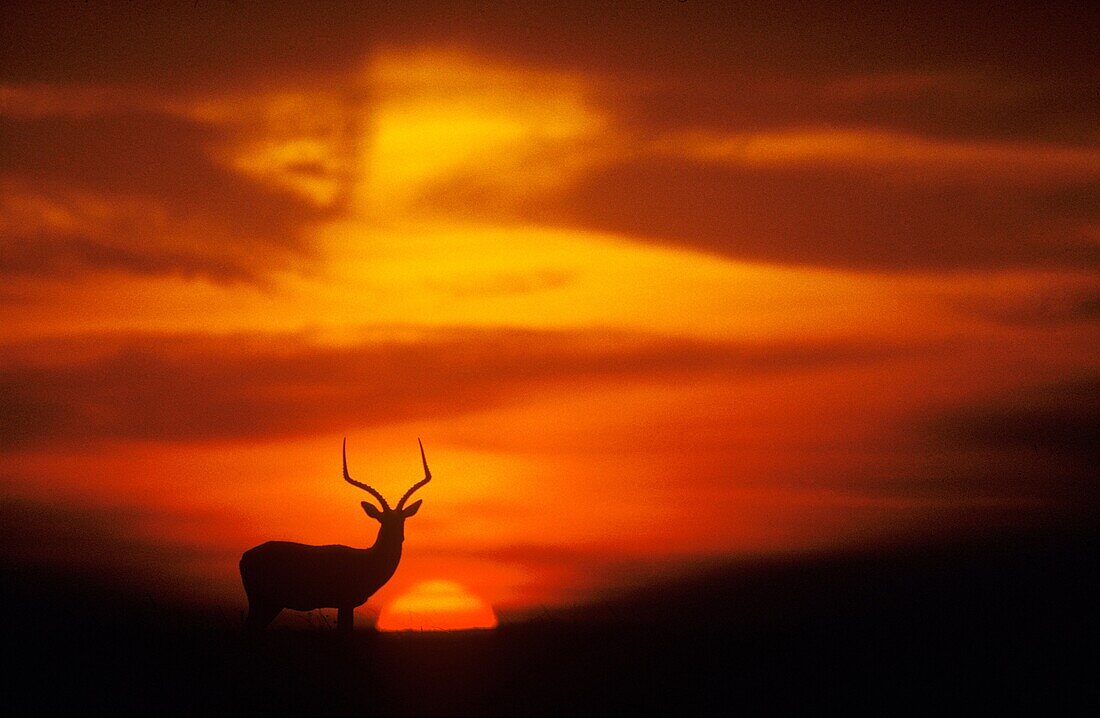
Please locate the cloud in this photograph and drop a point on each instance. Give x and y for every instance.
(1016, 70)
(815, 214)
(1061, 419)
(949, 102)
(1037, 442)
(181, 47)
(97, 546)
(195, 388)
(138, 192)
(932, 76)
(46, 256)
(1042, 308)
(504, 284)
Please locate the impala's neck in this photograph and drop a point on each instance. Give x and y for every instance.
(386, 551)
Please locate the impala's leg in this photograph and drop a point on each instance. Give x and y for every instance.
(259, 616)
(344, 619)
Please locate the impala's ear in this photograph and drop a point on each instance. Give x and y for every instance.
(412, 508)
(371, 510)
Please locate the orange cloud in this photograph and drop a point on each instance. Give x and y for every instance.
(138, 193)
(187, 388)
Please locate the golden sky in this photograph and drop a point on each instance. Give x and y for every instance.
(658, 285)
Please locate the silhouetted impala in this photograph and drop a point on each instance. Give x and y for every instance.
(282, 574)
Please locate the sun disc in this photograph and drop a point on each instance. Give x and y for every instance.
(436, 605)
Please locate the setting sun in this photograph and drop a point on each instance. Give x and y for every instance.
(436, 605)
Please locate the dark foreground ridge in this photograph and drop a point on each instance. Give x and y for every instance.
(990, 625)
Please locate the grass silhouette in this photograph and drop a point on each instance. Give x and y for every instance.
(998, 624)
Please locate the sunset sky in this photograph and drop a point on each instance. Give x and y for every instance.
(658, 285)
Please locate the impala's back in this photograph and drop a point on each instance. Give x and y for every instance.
(302, 577)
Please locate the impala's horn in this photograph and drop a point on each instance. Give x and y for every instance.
(418, 484)
(353, 482)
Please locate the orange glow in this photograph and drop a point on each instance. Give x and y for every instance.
(442, 113)
(436, 605)
(641, 318)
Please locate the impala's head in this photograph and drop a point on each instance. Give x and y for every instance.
(392, 520)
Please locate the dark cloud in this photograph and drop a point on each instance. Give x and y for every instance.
(45, 255)
(577, 574)
(1018, 70)
(690, 62)
(181, 46)
(1038, 442)
(191, 388)
(956, 104)
(169, 205)
(101, 547)
(848, 217)
(1061, 419)
(1049, 308)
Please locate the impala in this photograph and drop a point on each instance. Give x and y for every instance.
(282, 574)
